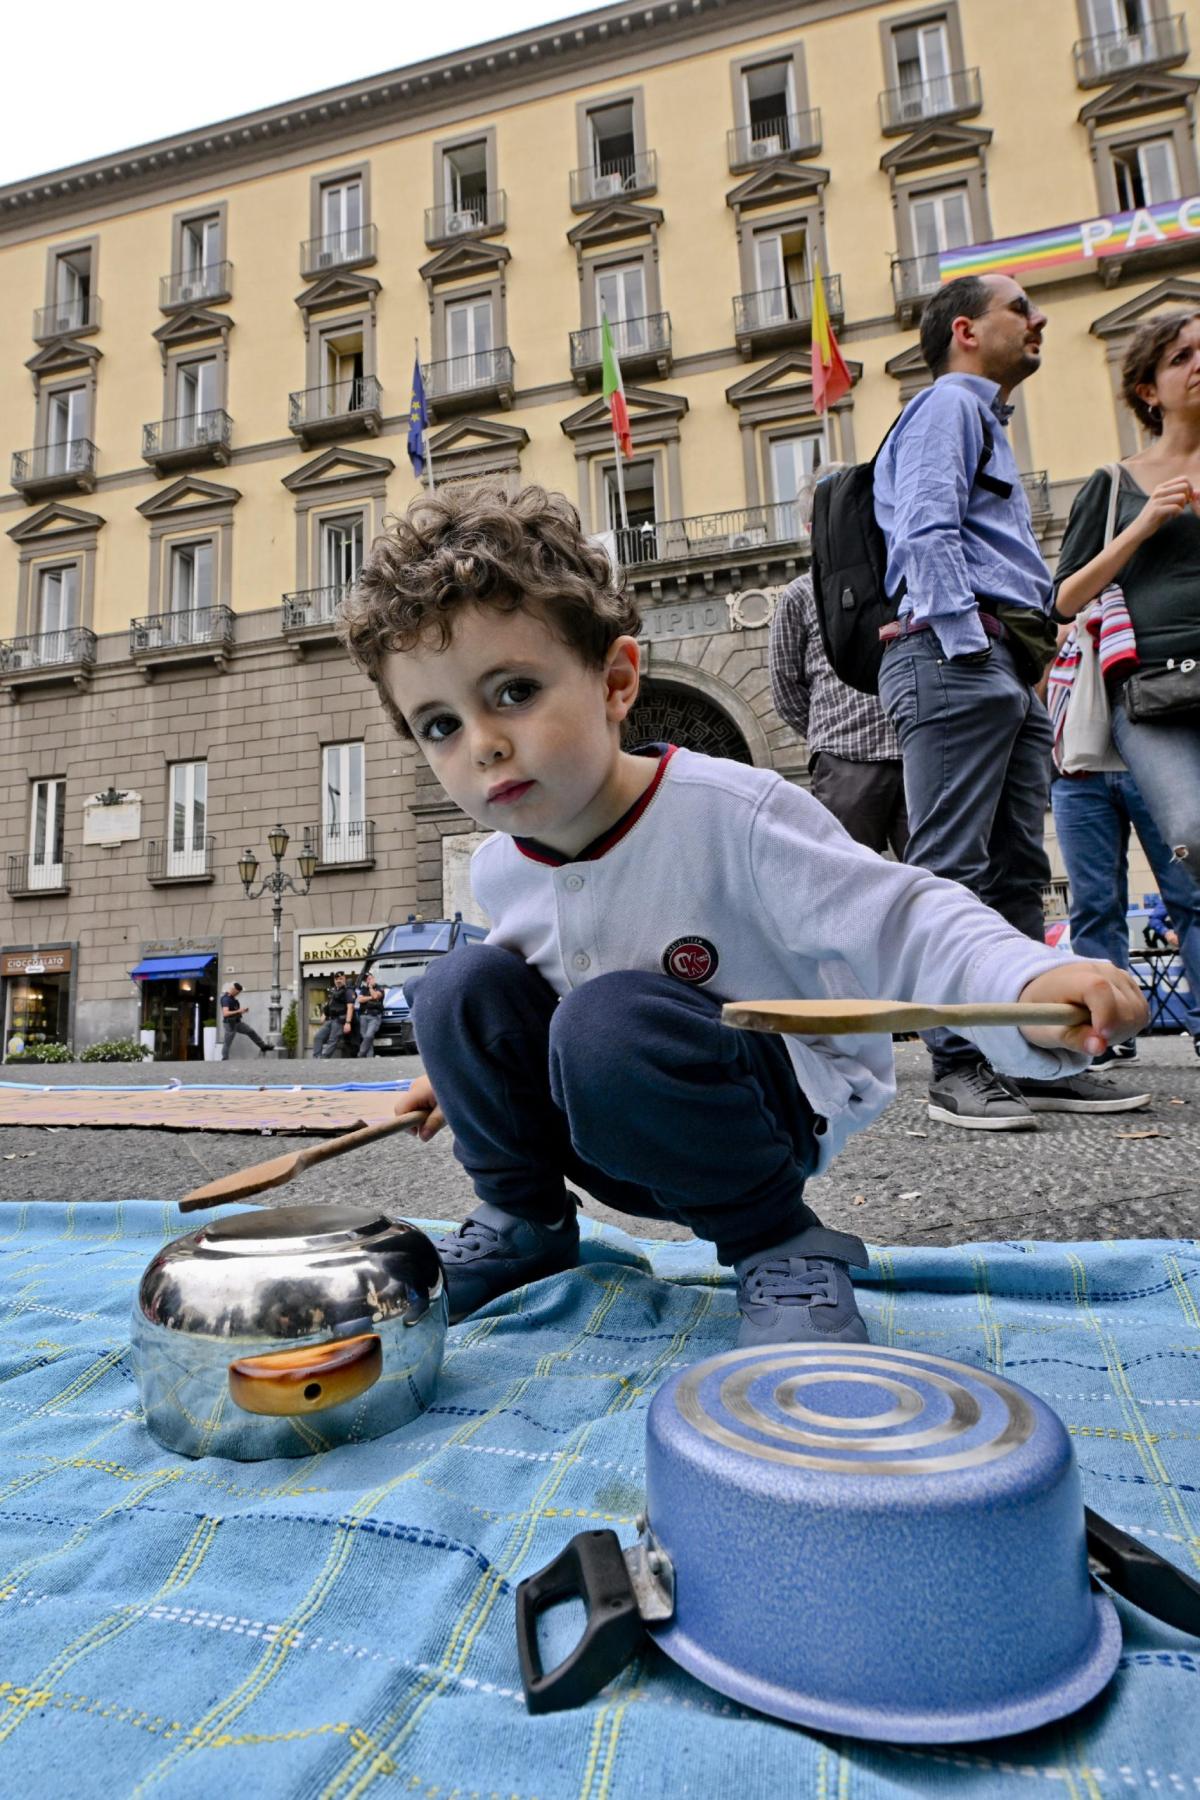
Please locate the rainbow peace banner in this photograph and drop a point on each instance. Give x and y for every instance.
(1170, 222)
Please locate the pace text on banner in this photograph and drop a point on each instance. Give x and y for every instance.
(1084, 241)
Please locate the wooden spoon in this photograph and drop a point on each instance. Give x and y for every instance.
(841, 1018)
(244, 1182)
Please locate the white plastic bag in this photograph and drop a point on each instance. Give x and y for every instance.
(1087, 745)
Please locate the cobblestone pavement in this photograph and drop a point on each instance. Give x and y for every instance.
(904, 1181)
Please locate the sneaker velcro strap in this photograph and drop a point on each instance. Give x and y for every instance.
(818, 1240)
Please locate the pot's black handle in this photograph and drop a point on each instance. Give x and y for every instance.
(591, 1569)
(1142, 1575)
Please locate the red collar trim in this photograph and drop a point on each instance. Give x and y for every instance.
(542, 853)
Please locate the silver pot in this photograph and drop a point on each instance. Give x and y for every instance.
(289, 1330)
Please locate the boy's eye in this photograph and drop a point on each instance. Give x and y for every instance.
(514, 693)
(439, 728)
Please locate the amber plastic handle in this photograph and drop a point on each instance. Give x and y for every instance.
(307, 1380)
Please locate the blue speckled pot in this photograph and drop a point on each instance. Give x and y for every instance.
(875, 1542)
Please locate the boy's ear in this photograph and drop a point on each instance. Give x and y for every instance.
(622, 678)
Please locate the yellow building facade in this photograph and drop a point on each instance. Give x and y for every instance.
(207, 380)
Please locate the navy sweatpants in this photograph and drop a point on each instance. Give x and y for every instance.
(629, 1086)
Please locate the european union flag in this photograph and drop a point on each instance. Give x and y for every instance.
(418, 420)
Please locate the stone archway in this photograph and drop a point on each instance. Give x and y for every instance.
(674, 715)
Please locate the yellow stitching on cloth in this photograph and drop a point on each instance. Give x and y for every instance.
(990, 1324)
(22, 1571)
(1183, 1291)
(68, 1702)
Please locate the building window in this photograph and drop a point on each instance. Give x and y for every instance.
(188, 806)
(1145, 173)
(342, 371)
(72, 296)
(191, 591)
(341, 552)
(939, 221)
(469, 341)
(342, 223)
(1116, 18)
(792, 460)
(621, 298)
(66, 427)
(47, 812)
(613, 148)
(770, 101)
(200, 269)
(782, 274)
(639, 542)
(465, 183)
(197, 397)
(343, 804)
(923, 69)
(57, 609)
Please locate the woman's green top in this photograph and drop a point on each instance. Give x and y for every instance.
(1161, 580)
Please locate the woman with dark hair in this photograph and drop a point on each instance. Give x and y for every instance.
(1154, 555)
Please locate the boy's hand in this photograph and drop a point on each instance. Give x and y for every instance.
(1114, 999)
(419, 1098)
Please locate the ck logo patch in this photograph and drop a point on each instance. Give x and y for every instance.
(691, 959)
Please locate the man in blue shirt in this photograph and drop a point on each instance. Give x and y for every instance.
(974, 737)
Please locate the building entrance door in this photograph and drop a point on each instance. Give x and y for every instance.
(176, 1011)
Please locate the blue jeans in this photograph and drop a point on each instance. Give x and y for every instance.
(629, 1086)
(1164, 761)
(976, 742)
(1094, 815)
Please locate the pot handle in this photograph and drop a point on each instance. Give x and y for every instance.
(1140, 1574)
(592, 1569)
(307, 1379)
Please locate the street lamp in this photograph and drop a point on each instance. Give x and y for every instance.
(276, 883)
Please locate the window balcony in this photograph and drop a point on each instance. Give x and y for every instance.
(198, 634)
(66, 318)
(466, 383)
(348, 845)
(730, 536)
(167, 866)
(47, 658)
(30, 878)
(1156, 44)
(773, 317)
(68, 467)
(474, 218)
(643, 346)
(310, 616)
(614, 178)
(353, 248)
(337, 410)
(914, 280)
(786, 136)
(195, 287)
(955, 95)
(187, 442)
(1036, 483)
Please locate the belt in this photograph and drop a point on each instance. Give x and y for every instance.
(900, 628)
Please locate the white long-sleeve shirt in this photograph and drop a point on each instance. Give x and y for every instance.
(735, 881)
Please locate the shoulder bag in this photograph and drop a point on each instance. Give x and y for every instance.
(1086, 746)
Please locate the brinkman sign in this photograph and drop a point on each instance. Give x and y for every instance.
(1170, 222)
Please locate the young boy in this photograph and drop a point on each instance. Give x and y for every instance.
(629, 895)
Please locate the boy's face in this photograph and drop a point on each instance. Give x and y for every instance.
(521, 734)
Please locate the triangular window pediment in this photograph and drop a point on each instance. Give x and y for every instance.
(192, 323)
(64, 353)
(616, 219)
(187, 494)
(458, 262)
(1137, 94)
(908, 363)
(643, 405)
(778, 184)
(935, 144)
(787, 374)
(338, 290)
(334, 466)
(478, 434)
(1165, 294)
(52, 521)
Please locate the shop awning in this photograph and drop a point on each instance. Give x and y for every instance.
(170, 968)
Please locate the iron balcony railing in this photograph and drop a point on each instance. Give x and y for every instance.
(747, 530)
(312, 606)
(70, 459)
(916, 277)
(179, 630)
(29, 874)
(344, 841)
(74, 644)
(194, 431)
(188, 287)
(334, 400)
(789, 305)
(81, 314)
(483, 212)
(782, 134)
(168, 861)
(1037, 486)
(958, 91)
(631, 338)
(611, 176)
(467, 374)
(356, 244)
(1114, 53)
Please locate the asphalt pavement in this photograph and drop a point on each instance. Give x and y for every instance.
(906, 1180)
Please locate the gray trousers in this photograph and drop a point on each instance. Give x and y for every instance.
(976, 743)
(232, 1028)
(866, 797)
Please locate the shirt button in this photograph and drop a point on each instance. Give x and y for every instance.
(574, 882)
(581, 960)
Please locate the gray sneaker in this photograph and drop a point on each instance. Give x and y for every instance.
(976, 1098)
(493, 1252)
(1077, 1093)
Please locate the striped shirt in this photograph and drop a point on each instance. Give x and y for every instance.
(808, 696)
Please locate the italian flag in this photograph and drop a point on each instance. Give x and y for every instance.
(830, 376)
(614, 389)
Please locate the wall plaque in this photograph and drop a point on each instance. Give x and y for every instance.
(112, 821)
(690, 618)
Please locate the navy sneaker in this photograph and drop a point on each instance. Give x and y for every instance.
(1124, 1053)
(493, 1252)
(786, 1296)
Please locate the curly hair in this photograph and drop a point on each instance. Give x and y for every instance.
(470, 544)
(1140, 365)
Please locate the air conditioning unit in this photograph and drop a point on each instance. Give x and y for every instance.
(187, 293)
(748, 540)
(912, 109)
(459, 222)
(1121, 56)
(607, 187)
(16, 658)
(64, 323)
(326, 259)
(146, 637)
(763, 149)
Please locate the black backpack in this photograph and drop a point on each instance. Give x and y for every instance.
(849, 567)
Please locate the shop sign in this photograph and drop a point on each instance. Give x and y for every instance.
(112, 818)
(332, 947)
(35, 962)
(181, 946)
(1088, 240)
